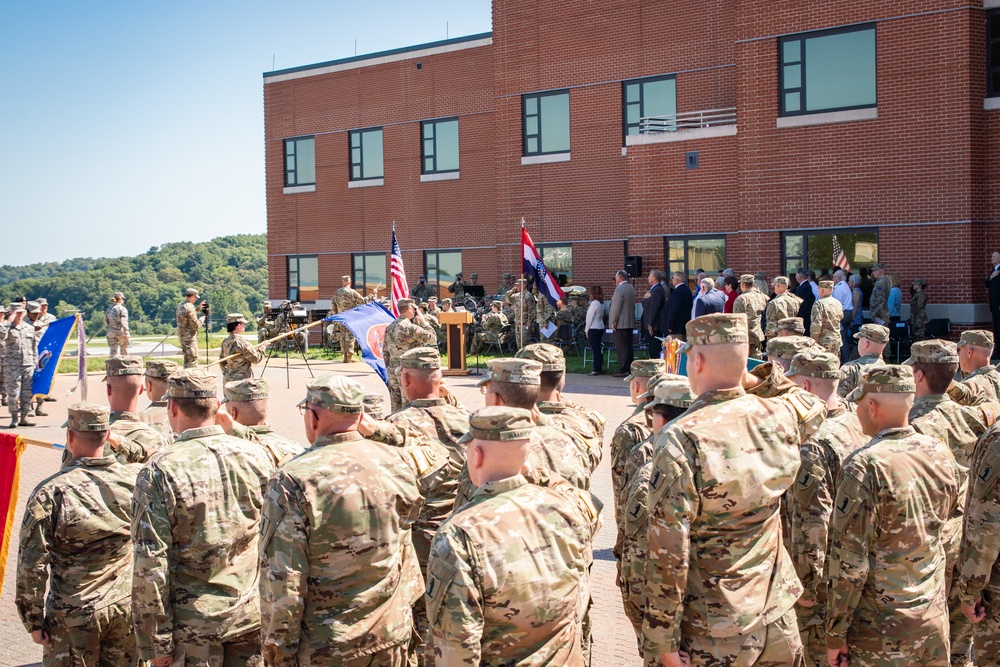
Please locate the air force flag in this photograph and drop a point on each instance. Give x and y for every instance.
(368, 323)
(50, 350)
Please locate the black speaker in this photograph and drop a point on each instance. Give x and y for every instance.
(633, 265)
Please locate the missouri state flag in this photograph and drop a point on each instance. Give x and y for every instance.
(368, 322)
(532, 265)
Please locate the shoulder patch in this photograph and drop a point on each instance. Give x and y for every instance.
(421, 460)
(985, 475)
(851, 494)
(588, 504)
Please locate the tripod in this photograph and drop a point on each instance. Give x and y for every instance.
(271, 352)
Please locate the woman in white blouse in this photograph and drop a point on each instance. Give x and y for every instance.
(596, 327)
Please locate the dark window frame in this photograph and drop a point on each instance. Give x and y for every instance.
(359, 278)
(802, 38)
(297, 272)
(433, 140)
(992, 68)
(538, 113)
(689, 271)
(293, 142)
(625, 103)
(806, 233)
(360, 164)
(435, 282)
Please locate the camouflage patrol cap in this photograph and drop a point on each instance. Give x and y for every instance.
(815, 362)
(34, 307)
(250, 389)
(655, 380)
(919, 281)
(826, 284)
(161, 368)
(336, 394)
(118, 366)
(499, 423)
(874, 332)
(446, 301)
(976, 338)
(117, 295)
(786, 347)
(935, 351)
(374, 406)
(780, 280)
(497, 303)
(747, 279)
(190, 291)
(432, 298)
(42, 301)
(87, 417)
(514, 371)
(645, 368)
(3, 308)
(234, 318)
(421, 357)
(675, 393)
(884, 380)
(507, 275)
(16, 307)
(191, 383)
(796, 324)
(403, 304)
(716, 329)
(345, 279)
(421, 277)
(549, 356)
(879, 266)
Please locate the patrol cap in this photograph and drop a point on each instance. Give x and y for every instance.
(34, 307)
(336, 394)
(780, 280)
(118, 366)
(515, 371)
(17, 307)
(786, 347)
(747, 279)
(42, 301)
(421, 277)
(374, 406)
(507, 275)
(499, 423)
(884, 380)
(826, 284)
(976, 338)
(234, 318)
(815, 362)
(444, 301)
(644, 368)
(249, 389)
(550, 356)
(432, 298)
(161, 368)
(874, 332)
(879, 266)
(935, 351)
(190, 291)
(421, 357)
(919, 281)
(117, 295)
(716, 329)
(498, 303)
(3, 308)
(190, 383)
(655, 380)
(87, 417)
(403, 304)
(796, 324)
(345, 278)
(675, 393)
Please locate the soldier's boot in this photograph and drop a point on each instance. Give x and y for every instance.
(38, 409)
(24, 421)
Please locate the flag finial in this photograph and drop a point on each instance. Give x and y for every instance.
(393, 225)
(522, 221)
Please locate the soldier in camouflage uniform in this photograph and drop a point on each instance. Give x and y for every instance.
(75, 544)
(783, 305)
(872, 340)
(633, 430)
(241, 367)
(345, 299)
(245, 416)
(935, 363)
(810, 499)
(410, 330)
(135, 441)
(518, 546)
(824, 327)
(522, 304)
(918, 309)
(157, 372)
(544, 314)
(752, 303)
(116, 319)
(195, 527)
(981, 379)
(187, 327)
(879, 304)
(492, 323)
(339, 515)
(4, 326)
(423, 291)
(782, 350)
(790, 326)
(714, 509)
(19, 366)
(886, 602)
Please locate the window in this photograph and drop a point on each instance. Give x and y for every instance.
(300, 161)
(814, 250)
(303, 278)
(366, 154)
(546, 123)
(559, 262)
(993, 53)
(646, 98)
(441, 267)
(369, 273)
(440, 145)
(833, 70)
(690, 253)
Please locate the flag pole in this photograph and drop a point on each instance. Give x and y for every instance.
(524, 287)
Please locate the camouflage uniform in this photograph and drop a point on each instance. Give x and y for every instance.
(422, 291)
(824, 327)
(4, 326)
(116, 318)
(187, 330)
(544, 313)
(752, 303)
(630, 432)
(780, 307)
(522, 304)
(338, 574)
(345, 299)
(492, 323)
(879, 304)
(850, 373)
(402, 335)
(982, 384)
(156, 414)
(241, 367)
(714, 499)
(196, 517)
(918, 314)
(279, 448)
(19, 368)
(507, 581)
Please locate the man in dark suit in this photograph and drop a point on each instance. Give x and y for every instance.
(993, 285)
(621, 318)
(678, 308)
(652, 311)
(712, 300)
(804, 291)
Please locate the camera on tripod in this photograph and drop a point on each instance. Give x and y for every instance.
(294, 314)
(204, 307)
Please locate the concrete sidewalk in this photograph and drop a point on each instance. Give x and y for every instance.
(614, 641)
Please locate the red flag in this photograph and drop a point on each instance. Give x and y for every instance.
(11, 447)
(398, 276)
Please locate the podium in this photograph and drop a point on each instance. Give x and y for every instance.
(455, 321)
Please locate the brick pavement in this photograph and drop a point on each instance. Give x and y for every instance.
(614, 639)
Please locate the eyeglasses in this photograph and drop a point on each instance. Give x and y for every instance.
(303, 408)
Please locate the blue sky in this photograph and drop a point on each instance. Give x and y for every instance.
(124, 125)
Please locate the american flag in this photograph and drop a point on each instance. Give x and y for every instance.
(398, 275)
(839, 258)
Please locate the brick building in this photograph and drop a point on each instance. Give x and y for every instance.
(706, 134)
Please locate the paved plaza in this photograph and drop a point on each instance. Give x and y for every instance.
(614, 641)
